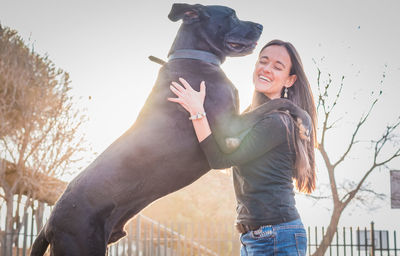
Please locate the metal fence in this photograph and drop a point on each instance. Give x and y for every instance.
(356, 241)
(149, 237)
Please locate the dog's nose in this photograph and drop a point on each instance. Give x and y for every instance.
(259, 26)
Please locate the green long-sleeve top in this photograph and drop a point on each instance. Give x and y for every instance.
(263, 167)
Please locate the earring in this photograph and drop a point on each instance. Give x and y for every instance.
(285, 94)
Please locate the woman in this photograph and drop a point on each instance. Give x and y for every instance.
(270, 156)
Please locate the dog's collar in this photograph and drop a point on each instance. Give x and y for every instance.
(196, 55)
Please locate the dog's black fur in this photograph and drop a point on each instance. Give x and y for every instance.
(159, 154)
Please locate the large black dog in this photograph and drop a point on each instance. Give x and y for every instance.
(159, 154)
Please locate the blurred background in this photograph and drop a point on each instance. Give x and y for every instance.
(348, 48)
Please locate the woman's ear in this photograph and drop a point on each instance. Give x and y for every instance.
(290, 81)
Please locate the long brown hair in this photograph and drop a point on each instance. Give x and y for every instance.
(300, 93)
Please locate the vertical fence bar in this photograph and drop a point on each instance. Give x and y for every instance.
(172, 239)
(210, 237)
(366, 240)
(220, 234)
(337, 241)
(186, 237)
(25, 235)
(351, 241)
(145, 246)
(330, 249)
(17, 238)
(387, 243)
(32, 221)
(309, 241)
(5, 237)
(11, 239)
(165, 239)
(130, 235)
(116, 249)
(316, 236)
(198, 238)
(395, 243)
(372, 239)
(151, 239)
(359, 241)
(323, 234)
(178, 241)
(344, 241)
(124, 245)
(192, 239)
(380, 242)
(137, 235)
(158, 240)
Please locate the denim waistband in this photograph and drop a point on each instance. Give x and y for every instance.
(297, 223)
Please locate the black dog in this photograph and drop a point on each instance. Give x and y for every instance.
(159, 154)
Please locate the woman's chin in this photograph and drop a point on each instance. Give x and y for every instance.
(262, 88)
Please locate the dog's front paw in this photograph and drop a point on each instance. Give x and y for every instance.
(232, 143)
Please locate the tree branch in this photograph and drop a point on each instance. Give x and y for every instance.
(359, 124)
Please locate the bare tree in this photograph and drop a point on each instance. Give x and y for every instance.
(342, 196)
(39, 126)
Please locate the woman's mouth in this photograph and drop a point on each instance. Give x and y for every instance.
(264, 78)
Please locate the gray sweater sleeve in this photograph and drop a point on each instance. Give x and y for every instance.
(263, 137)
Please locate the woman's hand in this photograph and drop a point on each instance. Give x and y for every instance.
(190, 99)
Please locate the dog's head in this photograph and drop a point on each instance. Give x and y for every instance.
(214, 28)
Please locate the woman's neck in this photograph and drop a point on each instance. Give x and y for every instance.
(258, 99)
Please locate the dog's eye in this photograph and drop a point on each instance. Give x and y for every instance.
(235, 18)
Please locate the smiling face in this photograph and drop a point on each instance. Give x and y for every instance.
(272, 71)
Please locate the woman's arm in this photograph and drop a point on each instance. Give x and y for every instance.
(264, 136)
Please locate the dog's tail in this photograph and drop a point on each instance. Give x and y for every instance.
(40, 245)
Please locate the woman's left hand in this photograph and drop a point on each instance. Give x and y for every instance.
(190, 99)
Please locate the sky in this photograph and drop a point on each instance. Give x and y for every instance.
(105, 45)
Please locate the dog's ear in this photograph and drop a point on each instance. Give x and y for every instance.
(187, 12)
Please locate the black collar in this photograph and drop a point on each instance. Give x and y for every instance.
(196, 55)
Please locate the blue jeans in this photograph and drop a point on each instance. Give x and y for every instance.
(289, 239)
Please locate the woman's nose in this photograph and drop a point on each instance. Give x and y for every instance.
(267, 68)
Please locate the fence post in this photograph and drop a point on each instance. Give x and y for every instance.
(165, 238)
(344, 241)
(395, 243)
(372, 239)
(32, 221)
(351, 240)
(12, 239)
(25, 235)
(151, 239)
(138, 235)
(158, 239)
(130, 238)
(4, 243)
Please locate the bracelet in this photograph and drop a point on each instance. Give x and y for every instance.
(197, 116)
